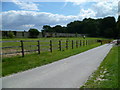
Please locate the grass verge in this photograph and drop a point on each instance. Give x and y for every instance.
(107, 74)
(16, 64)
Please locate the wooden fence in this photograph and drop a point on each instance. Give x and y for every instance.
(23, 47)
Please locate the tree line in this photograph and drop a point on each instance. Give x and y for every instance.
(106, 27)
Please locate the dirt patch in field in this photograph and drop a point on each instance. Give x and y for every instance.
(11, 52)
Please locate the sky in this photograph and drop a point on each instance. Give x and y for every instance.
(22, 15)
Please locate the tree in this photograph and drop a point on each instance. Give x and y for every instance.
(118, 27)
(33, 33)
(74, 27)
(10, 34)
(47, 28)
(59, 29)
(102, 27)
(90, 26)
(107, 26)
(119, 18)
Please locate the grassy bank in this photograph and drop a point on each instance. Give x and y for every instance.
(16, 64)
(107, 74)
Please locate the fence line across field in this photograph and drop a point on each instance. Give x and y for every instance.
(50, 45)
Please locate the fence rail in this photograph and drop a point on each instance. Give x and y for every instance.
(25, 46)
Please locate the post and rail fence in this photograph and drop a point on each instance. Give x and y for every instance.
(24, 46)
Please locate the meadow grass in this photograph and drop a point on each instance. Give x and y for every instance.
(16, 64)
(42, 40)
(51, 38)
(44, 44)
(107, 74)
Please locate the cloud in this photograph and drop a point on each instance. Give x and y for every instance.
(105, 8)
(100, 8)
(23, 20)
(119, 8)
(84, 1)
(1, 21)
(26, 5)
(78, 2)
(28, 25)
(87, 13)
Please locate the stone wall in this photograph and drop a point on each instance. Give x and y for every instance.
(19, 34)
(24, 34)
(47, 34)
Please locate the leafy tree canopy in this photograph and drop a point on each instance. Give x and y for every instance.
(102, 27)
(33, 33)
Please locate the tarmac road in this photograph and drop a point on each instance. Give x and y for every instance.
(71, 72)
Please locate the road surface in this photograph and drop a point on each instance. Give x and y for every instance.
(71, 72)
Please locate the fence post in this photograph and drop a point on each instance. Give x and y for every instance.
(66, 44)
(80, 43)
(60, 45)
(101, 42)
(22, 48)
(38, 47)
(72, 44)
(50, 45)
(76, 44)
(83, 42)
(86, 42)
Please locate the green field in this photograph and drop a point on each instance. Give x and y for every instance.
(107, 74)
(17, 63)
(43, 40)
(70, 38)
(44, 44)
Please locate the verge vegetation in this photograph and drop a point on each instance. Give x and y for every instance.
(107, 74)
(16, 64)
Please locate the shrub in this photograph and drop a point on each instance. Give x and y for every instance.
(33, 33)
(10, 34)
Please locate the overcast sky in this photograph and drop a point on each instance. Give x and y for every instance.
(23, 15)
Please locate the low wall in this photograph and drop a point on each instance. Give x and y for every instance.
(24, 34)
